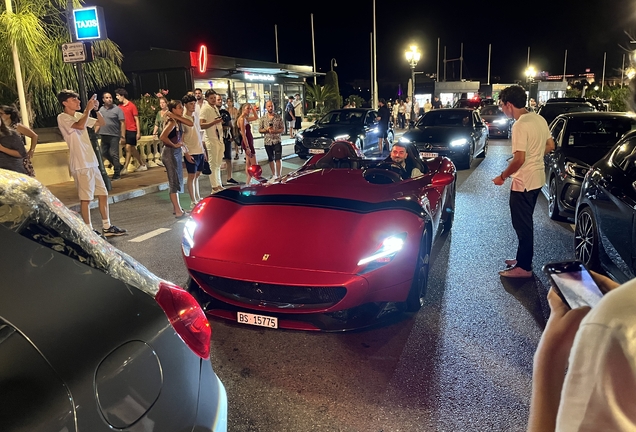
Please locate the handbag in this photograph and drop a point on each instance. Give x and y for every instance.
(206, 168)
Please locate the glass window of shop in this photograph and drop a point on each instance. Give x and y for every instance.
(241, 91)
(251, 91)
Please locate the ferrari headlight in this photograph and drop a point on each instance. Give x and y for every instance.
(342, 137)
(187, 241)
(458, 142)
(404, 140)
(388, 249)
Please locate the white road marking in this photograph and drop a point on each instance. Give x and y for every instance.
(149, 235)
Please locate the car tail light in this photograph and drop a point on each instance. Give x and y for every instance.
(186, 317)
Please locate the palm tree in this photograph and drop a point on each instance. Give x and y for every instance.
(38, 29)
(320, 94)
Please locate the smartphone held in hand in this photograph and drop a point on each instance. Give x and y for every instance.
(573, 283)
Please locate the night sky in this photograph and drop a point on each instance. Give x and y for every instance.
(245, 29)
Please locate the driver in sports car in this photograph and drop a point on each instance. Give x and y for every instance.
(403, 158)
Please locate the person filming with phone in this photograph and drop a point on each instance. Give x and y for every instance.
(584, 376)
(271, 126)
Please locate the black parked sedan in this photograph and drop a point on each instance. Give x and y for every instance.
(457, 133)
(605, 231)
(581, 139)
(499, 125)
(90, 340)
(357, 125)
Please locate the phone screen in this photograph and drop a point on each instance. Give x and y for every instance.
(575, 284)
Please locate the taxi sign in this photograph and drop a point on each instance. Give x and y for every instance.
(89, 23)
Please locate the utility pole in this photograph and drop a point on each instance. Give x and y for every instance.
(313, 46)
(276, 37)
(24, 112)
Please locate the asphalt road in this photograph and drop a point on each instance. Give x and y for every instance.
(462, 363)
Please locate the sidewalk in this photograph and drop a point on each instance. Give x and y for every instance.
(137, 184)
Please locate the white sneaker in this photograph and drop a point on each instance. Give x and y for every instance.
(141, 168)
(516, 272)
(158, 162)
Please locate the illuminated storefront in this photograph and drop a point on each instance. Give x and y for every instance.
(245, 80)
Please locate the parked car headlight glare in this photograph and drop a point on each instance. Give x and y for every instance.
(500, 121)
(342, 137)
(458, 142)
(404, 140)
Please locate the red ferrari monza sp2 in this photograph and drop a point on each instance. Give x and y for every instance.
(331, 246)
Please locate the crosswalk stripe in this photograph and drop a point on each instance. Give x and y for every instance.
(149, 235)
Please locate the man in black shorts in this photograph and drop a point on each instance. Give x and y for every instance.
(383, 125)
(227, 140)
(298, 112)
(271, 126)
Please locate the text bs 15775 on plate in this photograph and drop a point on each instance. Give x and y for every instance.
(257, 320)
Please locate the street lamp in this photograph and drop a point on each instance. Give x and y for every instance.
(333, 64)
(413, 56)
(530, 73)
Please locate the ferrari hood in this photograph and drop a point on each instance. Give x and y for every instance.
(288, 232)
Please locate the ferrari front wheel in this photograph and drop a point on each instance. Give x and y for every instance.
(415, 299)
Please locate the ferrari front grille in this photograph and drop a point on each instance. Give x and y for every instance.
(279, 296)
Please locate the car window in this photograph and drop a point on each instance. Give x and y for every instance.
(371, 116)
(624, 157)
(585, 132)
(556, 130)
(491, 110)
(343, 117)
(446, 118)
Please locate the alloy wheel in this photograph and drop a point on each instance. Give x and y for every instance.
(553, 206)
(415, 299)
(585, 238)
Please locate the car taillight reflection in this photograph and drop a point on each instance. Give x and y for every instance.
(186, 317)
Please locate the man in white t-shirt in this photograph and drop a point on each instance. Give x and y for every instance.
(211, 123)
(82, 160)
(584, 376)
(530, 142)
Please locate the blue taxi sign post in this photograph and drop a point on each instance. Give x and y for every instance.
(88, 24)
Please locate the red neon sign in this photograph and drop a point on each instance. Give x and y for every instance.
(203, 58)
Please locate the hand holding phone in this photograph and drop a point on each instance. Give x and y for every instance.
(573, 283)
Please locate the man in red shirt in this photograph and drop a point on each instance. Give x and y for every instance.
(133, 131)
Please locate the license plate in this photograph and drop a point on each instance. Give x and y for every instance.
(257, 320)
(316, 151)
(428, 155)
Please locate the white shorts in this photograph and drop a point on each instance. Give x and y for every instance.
(89, 182)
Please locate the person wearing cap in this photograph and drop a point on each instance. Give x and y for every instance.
(290, 117)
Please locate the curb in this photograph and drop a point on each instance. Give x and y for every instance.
(158, 187)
